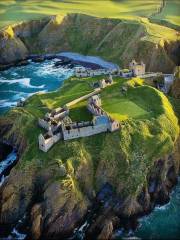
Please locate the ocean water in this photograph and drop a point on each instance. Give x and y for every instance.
(20, 82)
(164, 221)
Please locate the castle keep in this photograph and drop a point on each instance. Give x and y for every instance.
(137, 69)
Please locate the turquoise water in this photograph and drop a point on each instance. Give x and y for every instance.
(20, 82)
(164, 221)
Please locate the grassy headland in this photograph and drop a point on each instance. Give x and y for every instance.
(148, 132)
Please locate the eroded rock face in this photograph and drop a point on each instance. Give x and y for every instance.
(107, 231)
(36, 220)
(62, 211)
(15, 196)
(175, 90)
(55, 210)
(88, 35)
(11, 47)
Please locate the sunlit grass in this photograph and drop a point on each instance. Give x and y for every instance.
(170, 12)
(16, 11)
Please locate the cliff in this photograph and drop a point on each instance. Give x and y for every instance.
(121, 175)
(113, 39)
(175, 90)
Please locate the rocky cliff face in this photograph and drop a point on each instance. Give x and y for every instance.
(11, 47)
(176, 85)
(115, 40)
(55, 207)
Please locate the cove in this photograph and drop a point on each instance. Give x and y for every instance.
(21, 82)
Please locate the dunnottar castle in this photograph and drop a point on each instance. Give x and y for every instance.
(58, 124)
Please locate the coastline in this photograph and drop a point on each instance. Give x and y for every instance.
(65, 59)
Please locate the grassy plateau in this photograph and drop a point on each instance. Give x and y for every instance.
(12, 11)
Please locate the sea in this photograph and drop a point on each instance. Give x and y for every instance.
(18, 83)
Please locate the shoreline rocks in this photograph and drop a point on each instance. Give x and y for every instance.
(39, 58)
(107, 214)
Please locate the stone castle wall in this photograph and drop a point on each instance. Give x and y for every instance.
(84, 132)
(44, 124)
(90, 73)
(83, 97)
(46, 144)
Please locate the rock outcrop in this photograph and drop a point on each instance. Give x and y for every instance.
(12, 49)
(175, 90)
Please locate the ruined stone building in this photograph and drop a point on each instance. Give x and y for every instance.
(67, 130)
(88, 72)
(137, 69)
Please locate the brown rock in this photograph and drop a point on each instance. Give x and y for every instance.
(107, 231)
(36, 219)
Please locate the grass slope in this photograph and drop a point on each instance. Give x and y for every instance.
(170, 13)
(15, 11)
(142, 139)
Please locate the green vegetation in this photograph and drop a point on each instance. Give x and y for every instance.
(148, 132)
(12, 11)
(170, 13)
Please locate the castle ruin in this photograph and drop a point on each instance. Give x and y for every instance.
(137, 69)
(60, 127)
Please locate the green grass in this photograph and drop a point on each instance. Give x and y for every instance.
(79, 112)
(15, 11)
(122, 106)
(122, 109)
(170, 12)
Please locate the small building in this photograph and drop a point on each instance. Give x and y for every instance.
(88, 72)
(95, 99)
(106, 82)
(102, 83)
(48, 140)
(168, 81)
(126, 73)
(138, 69)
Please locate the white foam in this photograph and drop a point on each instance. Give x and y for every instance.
(163, 207)
(22, 81)
(11, 158)
(14, 74)
(3, 178)
(46, 70)
(16, 235)
(5, 103)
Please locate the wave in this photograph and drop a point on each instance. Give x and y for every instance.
(2, 180)
(21, 81)
(49, 69)
(6, 103)
(8, 161)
